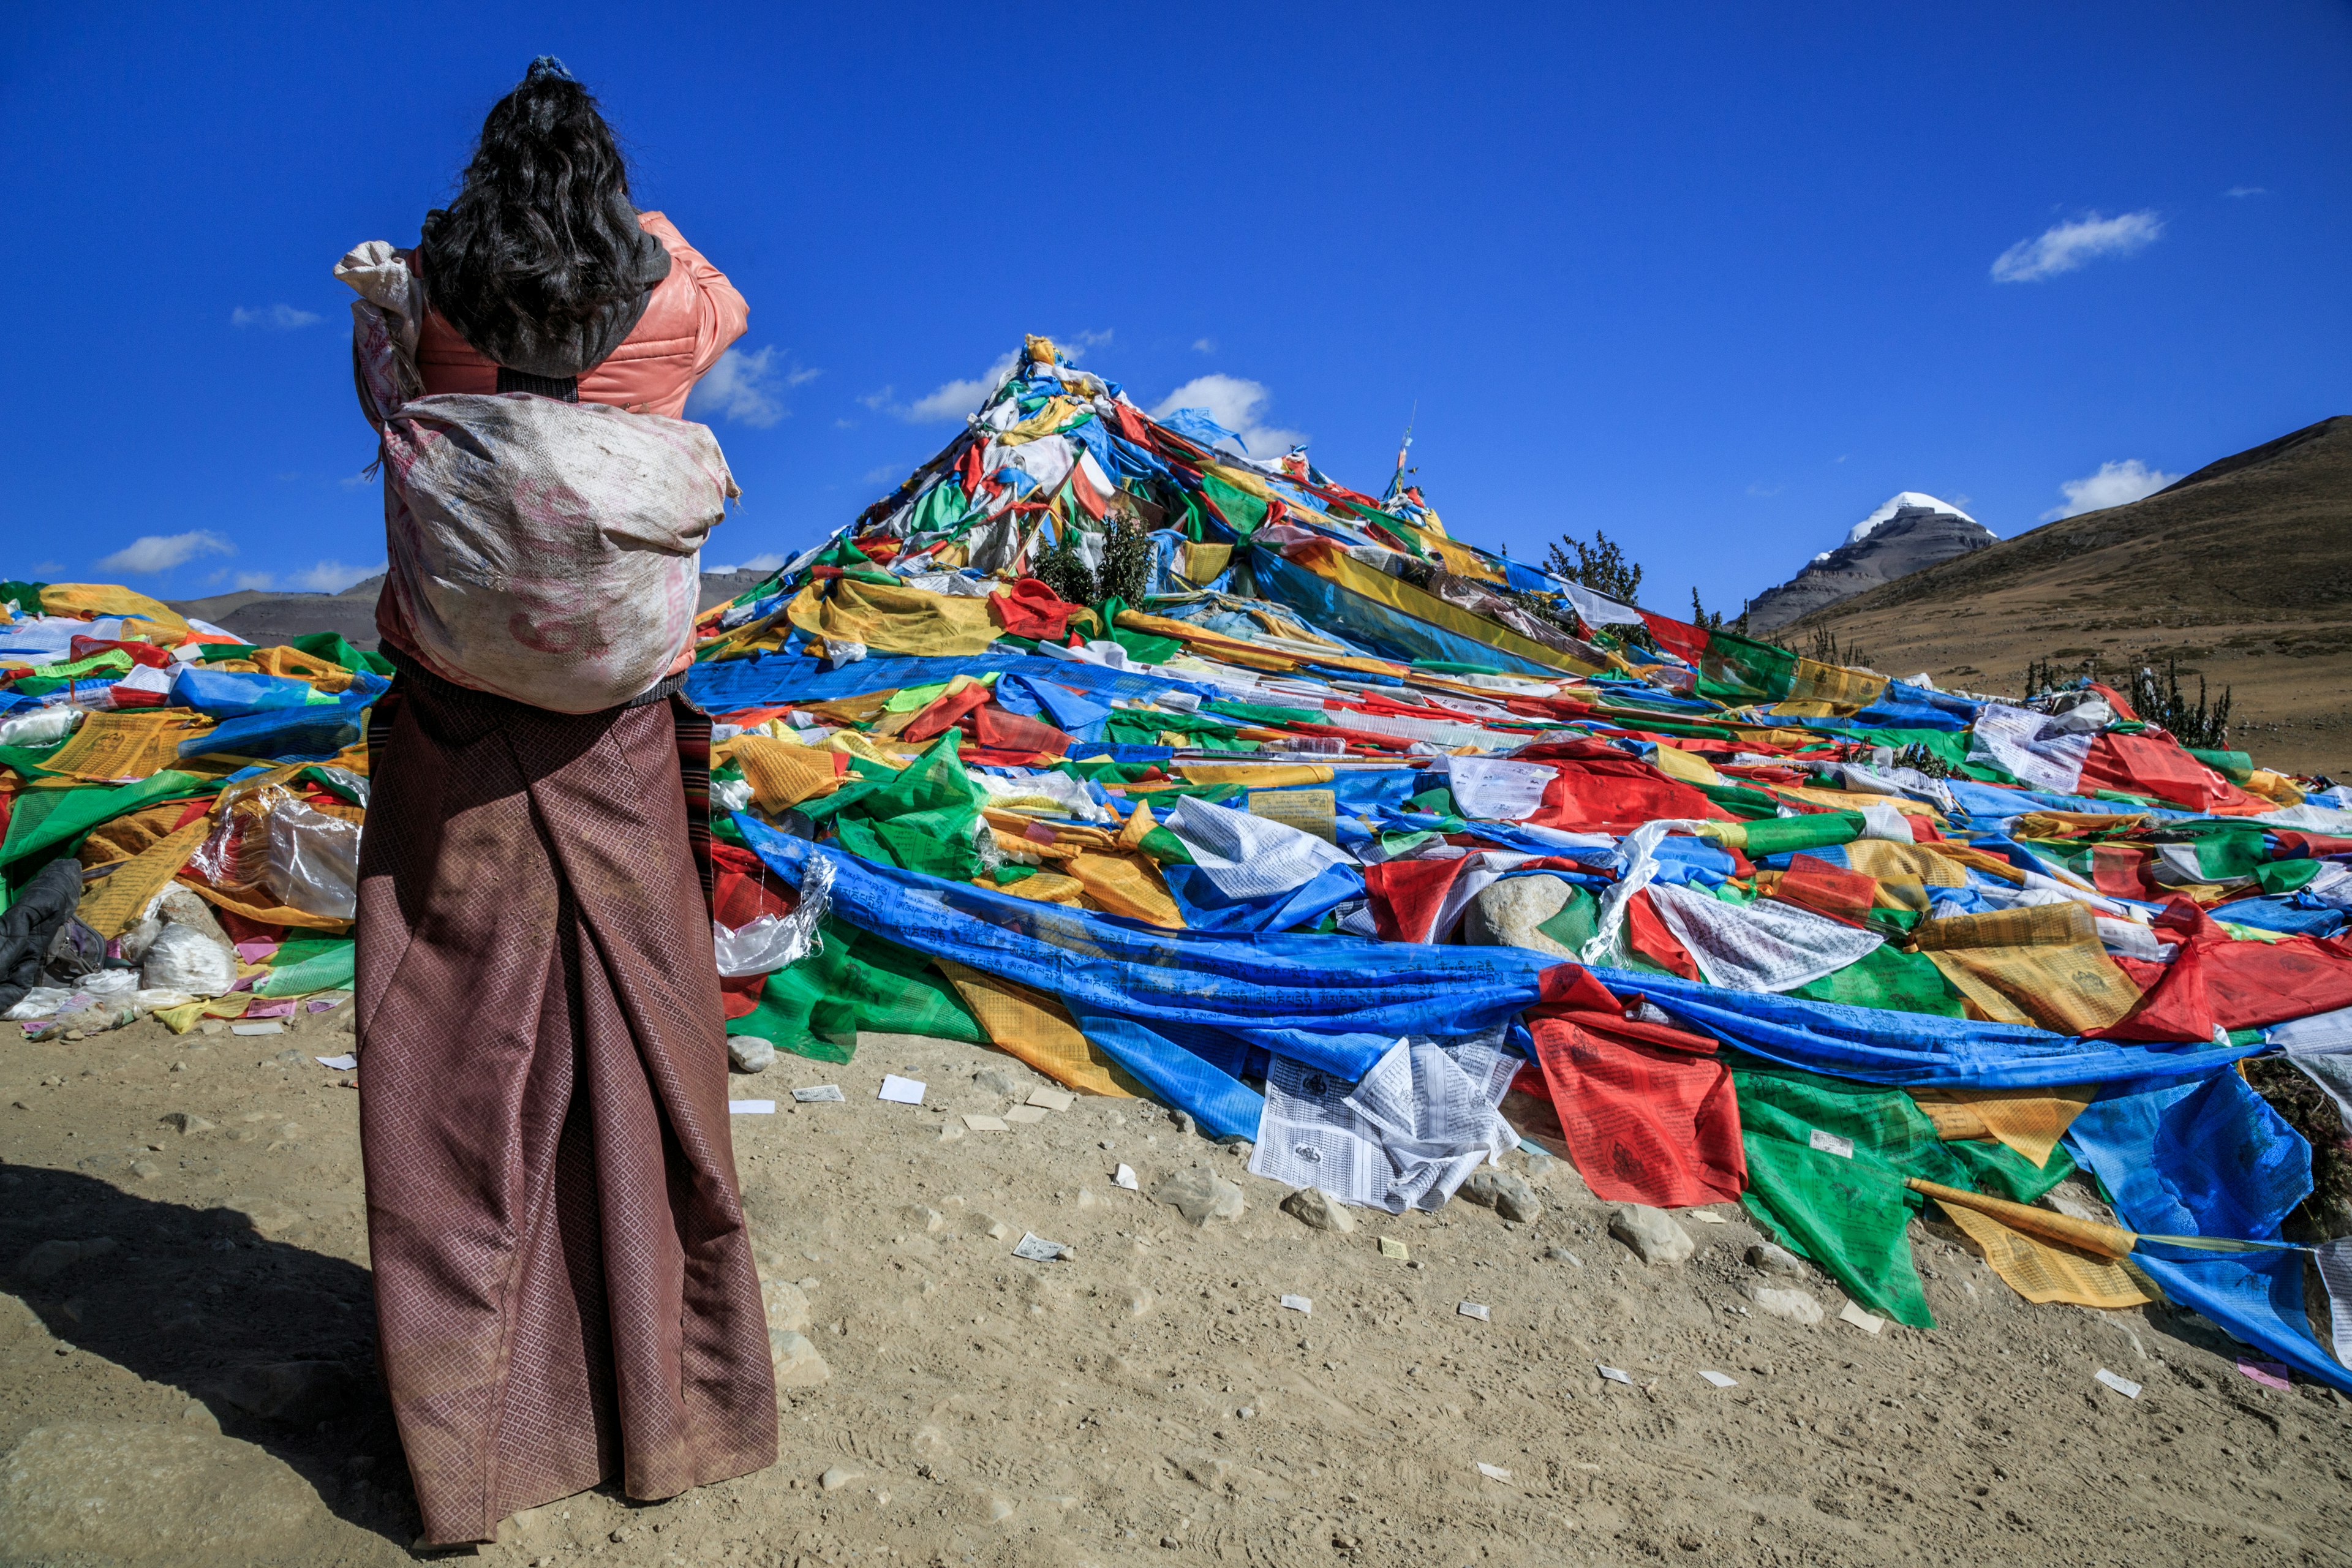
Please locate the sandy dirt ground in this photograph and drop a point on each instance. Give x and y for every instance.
(185, 1364)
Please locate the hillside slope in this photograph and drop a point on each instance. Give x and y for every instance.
(2242, 572)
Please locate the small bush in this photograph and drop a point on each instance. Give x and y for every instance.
(1126, 563)
(1061, 568)
(1601, 565)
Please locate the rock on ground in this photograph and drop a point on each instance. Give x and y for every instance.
(797, 1363)
(1652, 1235)
(1505, 1192)
(1199, 1195)
(52, 1257)
(1796, 1306)
(1313, 1206)
(115, 1491)
(1507, 913)
(749, 1053)
(303, 1393)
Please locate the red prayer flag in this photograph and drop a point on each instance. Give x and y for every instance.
(1812, 883)
(2215, 982)
(1032, 610)
(1646, 934)
(1407, 894)
(1647, 1114)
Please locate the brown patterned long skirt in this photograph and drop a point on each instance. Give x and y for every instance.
(564, 1286)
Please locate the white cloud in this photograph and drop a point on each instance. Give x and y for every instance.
(1234, 404)
(1205, 345)
(743, 386)
(2243, 190)
(155, 553)
(954, 399)
(258, 582)
(332, 576)
(2115, 484)
(767, 560)
(950, 399)
(1759, 487)
(887, 473)
(274, 318)
(2063, 246)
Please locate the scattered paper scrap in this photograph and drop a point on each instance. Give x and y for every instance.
(983, 1123)
(2122, 1385)
(2269, 1373)
(1868, 1322)
(1392, 1248)
(1615, 1374)
(1718, 1379)
(751, 1108)
(900, 1090)
(822, 1093)
(1473, 1309)
(1125, 1177)
(1298, 1303)
(1027, 1113)
(1708, 1216)
(1052, 1098)
(1038, 1250)
(343, 1063)
(1830, 1143)
(271, 1027)
(1492, 1472)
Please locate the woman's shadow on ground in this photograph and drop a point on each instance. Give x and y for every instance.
(276, 1341)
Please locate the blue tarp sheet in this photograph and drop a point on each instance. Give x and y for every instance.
(2208, 1157)
(1332, 1002)
(771, 680)
(1876, 1044)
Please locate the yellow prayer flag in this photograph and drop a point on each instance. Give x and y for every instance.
(1038, 1030)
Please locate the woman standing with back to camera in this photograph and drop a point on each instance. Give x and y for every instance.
(564, 1286)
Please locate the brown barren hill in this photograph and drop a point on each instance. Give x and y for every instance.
(2241, 572)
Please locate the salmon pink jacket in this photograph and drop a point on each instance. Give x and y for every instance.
(690, 319)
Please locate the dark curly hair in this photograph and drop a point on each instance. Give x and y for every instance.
(540, 262)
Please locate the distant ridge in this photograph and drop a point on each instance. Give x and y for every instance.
(2242, 571)
(1909, 533)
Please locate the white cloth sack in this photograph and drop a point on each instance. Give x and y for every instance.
(185, 960)
(548, 551)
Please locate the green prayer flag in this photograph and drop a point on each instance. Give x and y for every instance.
(302, 967)
(1826, 1164)
(855, 981)
(56, 818)
(1891, 978)
(1242, 511)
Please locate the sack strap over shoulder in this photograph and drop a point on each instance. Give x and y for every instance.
(564, 389)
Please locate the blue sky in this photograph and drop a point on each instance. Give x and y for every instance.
(1718, 279)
